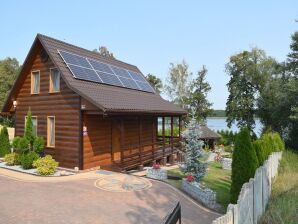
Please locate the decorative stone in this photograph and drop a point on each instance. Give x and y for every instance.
(226, 163)
(202, 194)
(157, 174)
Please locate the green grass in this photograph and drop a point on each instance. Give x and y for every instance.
(217, 179)
(283, 203)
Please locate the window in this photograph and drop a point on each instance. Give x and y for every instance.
(34, 123)
(51, 132)
(54, 80)
(35, 82)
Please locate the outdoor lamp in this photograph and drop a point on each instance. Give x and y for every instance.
(15, 103)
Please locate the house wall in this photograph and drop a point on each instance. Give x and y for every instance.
(64, 105)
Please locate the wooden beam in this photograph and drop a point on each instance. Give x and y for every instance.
(153, 136)
(121, 140)
(180, 123)
(163, 136)
(172, 133)
(140, 138)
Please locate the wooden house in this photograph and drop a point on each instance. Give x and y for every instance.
(91, 110)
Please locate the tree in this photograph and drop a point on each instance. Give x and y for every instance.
(198, 97)
(9, 69)
(249, 72)
(29, 133)
(4, 142)
(103, 51)
(155, 82)
(244, 163)
(194, 152)
(293, 55)
(177, 86)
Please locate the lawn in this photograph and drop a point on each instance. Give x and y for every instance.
(217, 179)
(283, 202)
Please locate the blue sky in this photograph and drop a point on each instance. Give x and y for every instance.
(151, 34)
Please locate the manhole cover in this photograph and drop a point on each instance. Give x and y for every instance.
(122, 183)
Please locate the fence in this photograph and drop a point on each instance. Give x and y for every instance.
(254, 195)
(174, 216)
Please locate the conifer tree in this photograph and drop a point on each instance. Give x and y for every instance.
(4, 142)
(194, 152)
(29, 134)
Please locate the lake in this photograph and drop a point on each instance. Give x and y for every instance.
(219, 123)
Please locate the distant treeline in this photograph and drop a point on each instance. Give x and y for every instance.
(218, 113)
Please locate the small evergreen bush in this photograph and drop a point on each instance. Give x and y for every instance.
(45, 165)
(38, 145)
(24, 145)
(11, 159)
(244, 163)
(26, 159)
(259, 148)
(29, 134)
(4, 142)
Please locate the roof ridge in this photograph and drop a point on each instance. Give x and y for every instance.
(72, 45)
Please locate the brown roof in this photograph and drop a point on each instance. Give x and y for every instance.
(207, 133)
(106, 97)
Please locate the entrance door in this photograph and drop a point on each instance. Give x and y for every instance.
(116, 155)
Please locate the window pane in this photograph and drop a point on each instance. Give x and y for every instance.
(51, 131)
(35, 82)
(55, 79)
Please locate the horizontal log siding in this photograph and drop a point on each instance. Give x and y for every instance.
(97, 143)
(65, 106)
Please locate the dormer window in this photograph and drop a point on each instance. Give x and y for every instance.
(35, 82)
(54, 80)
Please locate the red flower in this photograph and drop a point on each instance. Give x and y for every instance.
(156, 166)
(189, 178)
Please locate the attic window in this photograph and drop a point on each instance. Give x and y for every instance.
(54, 80)
(35, 82)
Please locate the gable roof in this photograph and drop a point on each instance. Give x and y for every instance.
(110, 99)
(207, 133)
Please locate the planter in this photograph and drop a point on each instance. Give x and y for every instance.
(226, 163)
(202, 194)
(157, 174)
(34, 171)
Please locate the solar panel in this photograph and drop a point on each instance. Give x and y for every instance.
(96, 71)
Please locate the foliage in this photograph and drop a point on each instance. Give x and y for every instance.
(198, 97)
(177, 86)
(16, 143)
(45, 165)
(38, 144)
(29, 134)
(168, 131)
(103, 51)
(26, 159)
(4, 142)
(11, 159)
(227, 137)
(23, 145)
(193, 152)
(244, 163)
(9, 68)
(8, 121)
(260, 150)
(155, 82)
(249, 72)
(283, 201)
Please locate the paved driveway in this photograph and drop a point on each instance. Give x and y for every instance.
(79, 201)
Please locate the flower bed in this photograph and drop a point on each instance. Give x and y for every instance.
(202, 194)
(34, 171)
(157, 174)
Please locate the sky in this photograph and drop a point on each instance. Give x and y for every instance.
(152, 34)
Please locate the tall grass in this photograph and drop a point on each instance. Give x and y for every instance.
(283, 203)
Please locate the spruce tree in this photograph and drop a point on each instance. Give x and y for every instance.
(194, 151)
(29, 134)
(4, 142)
(244, 163)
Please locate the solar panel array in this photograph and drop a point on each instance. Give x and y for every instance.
(96, 71)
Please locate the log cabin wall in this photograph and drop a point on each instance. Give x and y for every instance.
(64, 105)
(96, 141)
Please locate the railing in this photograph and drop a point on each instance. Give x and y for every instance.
(174, 215)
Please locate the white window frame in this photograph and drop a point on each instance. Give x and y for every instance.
(33, 117)
(51, 81)
(48, 131)
(32, 82)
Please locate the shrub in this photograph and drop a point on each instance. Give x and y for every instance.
(259, 148)
(38, 145)
(23, 145)
(26, 159)
(45, 165)
(11, 159)
(29, 134)
(16, 143)
(4, 142)
(244, 163)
